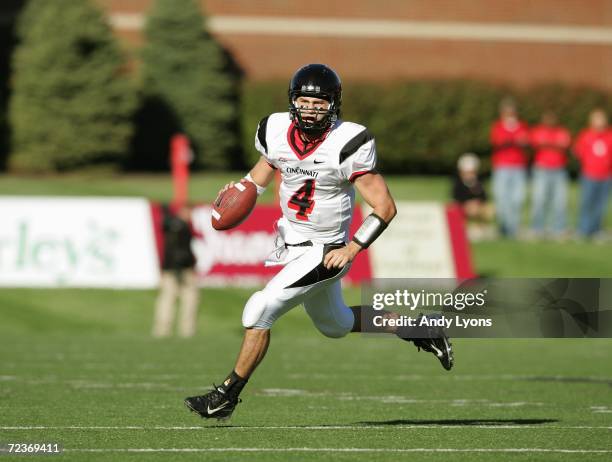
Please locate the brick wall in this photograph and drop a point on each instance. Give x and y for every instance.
(522, 60)
(589, 12)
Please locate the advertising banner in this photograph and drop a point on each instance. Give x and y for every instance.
(110, 242)
(77, 242)
(236, 256)
(425, 240)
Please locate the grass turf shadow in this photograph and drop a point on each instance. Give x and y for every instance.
(461, 422)
(433, 423)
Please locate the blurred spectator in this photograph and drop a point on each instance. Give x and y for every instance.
(550, 142)
(178, 279)
(509, 137)
(469, 193)
(593, 148)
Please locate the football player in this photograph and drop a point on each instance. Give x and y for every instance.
(321, 160)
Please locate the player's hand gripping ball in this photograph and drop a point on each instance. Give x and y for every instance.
(234, 204)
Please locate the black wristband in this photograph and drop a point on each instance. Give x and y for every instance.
(370, 229)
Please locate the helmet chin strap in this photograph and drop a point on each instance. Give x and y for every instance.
(313, 132)
(318, 128)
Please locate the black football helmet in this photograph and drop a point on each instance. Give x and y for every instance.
(317, 81)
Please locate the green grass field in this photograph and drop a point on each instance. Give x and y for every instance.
(78, 367)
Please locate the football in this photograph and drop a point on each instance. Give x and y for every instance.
(234, 206)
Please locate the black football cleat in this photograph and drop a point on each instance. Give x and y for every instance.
(215, 404)
(432, 339)
(436, 342)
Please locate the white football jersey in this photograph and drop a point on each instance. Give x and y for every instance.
(316, 192)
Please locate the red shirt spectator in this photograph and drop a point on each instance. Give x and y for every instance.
(550, 142)
(594, 151)
(509, 136)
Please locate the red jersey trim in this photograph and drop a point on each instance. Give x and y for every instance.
(356, 175)
(293, 143)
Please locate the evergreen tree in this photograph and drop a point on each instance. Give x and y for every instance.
(187, 86)
(70, 103)
(3, 134)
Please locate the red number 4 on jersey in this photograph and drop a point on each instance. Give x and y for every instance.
(302, 200)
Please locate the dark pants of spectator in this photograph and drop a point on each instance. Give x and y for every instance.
(593, 202)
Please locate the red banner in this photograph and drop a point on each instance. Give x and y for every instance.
(236, 256)
(459, 243)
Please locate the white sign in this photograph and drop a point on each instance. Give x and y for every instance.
(77, 242)
(415, 245)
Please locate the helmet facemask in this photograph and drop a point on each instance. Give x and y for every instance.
(318, 125)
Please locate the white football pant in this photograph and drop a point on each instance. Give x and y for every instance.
(305, 280)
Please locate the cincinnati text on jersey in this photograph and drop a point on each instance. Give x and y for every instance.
(301, 171)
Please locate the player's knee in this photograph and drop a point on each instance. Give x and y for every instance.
(334, 330)
(335, 323)
(337, 327)
(254, 309)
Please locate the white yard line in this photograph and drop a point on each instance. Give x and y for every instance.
(306, 427)
(391, 450)
(84, 384)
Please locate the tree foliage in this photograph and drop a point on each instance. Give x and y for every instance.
(188, 85)
(71, 104)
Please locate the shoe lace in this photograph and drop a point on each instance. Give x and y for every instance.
(218, 394)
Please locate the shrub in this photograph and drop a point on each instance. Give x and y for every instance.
(188, 85)
(70, 103)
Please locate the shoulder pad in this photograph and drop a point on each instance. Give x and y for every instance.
(354, 144)
(261, 132)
